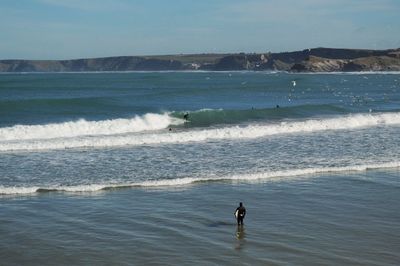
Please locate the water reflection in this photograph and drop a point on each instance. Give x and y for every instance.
(240, 237)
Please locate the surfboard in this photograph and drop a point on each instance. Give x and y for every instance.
(236, 213)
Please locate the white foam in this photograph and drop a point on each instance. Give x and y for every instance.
(84, 128)
(267, 176)
(17, 190)
(249, 132)
(357, 73)
(273, 175)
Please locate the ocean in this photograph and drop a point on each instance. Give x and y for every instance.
(104, 169)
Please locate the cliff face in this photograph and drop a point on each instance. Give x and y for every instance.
(317, 60)
(371, 63)
(309, 60)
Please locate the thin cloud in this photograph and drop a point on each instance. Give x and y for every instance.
(286, 10)
(88, 5)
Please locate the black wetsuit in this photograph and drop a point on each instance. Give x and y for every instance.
(241, 214)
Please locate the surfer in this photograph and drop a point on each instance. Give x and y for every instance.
(186, 116)
(240, 213)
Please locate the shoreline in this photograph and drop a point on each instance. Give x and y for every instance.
(395, 72)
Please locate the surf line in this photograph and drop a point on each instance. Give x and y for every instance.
(236, 132)
(271, 176)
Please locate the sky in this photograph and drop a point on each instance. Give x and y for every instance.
(69, 29)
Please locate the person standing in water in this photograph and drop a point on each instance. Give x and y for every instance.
(240, 213)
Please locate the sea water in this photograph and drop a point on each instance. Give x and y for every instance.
(103, 169)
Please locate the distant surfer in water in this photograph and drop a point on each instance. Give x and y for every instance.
(240, 213)
(186, 116)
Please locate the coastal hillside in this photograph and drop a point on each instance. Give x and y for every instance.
(309, 60)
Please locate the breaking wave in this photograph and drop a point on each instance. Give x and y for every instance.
(88, 128)
(101, 134)
(268, 176)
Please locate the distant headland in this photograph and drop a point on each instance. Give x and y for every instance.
(309, 60)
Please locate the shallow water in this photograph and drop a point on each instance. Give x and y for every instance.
(334, 219)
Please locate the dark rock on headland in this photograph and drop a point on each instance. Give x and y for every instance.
(232, 62)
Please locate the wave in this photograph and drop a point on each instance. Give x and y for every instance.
(181, 136)
(151, 121)
(208, 117)
(88, 128)
(266, 176)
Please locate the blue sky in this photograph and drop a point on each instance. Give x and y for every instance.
(66, 29)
